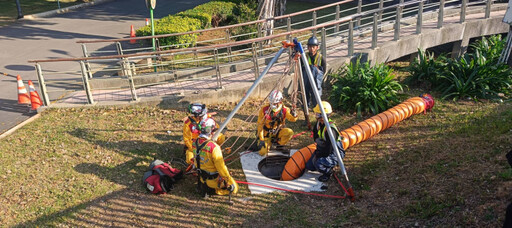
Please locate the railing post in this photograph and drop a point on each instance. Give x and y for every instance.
(255, 61)
(228, 39)
(87, 64)
(337, 18)
(359, 10)
(397, 22)
(488, 8)
(119, 48)
(85, 80)
(440, 15)
(289, 28)
(42, 85)
(128, 72)
(195, 54)
(381, 8)
(260, 34)
(375, 30)
(324, 43)
(463, 8)
(314, 23)
(419, 19)
(158, 57)
(350, 38)
(173, 66)
(217, 68)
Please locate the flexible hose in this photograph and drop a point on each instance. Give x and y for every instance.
(360, 132)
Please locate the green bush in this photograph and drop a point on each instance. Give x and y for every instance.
(173, 24)
(489, 48)
(474, 76)
(205, 18)
(244, 13)
(221, 12)
(426, 69)
(361, 88)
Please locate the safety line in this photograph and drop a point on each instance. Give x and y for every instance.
(294, 191)
(339, 182)
(298, 134)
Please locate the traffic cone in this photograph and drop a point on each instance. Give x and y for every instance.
(34, 96)
(132, 34)
(23, 97)
(147, 22)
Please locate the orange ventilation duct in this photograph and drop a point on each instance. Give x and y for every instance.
(361, 131)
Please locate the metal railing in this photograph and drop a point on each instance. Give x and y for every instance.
(180, 66)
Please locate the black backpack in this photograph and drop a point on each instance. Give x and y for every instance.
(161, 177)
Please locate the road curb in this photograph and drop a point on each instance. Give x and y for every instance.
(62, 10)
(12, 130)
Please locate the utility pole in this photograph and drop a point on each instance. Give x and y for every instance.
(20, 14)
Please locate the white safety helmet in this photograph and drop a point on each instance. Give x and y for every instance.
(275, 98)
(207, 126)
(197, 109)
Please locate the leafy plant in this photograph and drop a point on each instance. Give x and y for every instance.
(475, 78)
(476, 75)
(244, 13)
(221, 12)
(173, 24)
(205, 18)
(361, 88)
(427, 69)
(489, 48)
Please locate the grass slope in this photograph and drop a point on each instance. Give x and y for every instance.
(82, 167)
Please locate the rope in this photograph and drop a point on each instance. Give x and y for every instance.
(294, 191)
(251, 117)
(339, 182)
(298, 134)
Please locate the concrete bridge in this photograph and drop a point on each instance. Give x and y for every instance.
(120, 73)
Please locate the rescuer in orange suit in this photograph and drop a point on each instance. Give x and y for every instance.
(213, 175)
(191, 129)
(271, 122)
(324, 158)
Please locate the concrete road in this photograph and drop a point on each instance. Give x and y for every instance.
(55, 37)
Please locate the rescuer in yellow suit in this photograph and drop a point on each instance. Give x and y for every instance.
(271, 122)
(191, 129)
(213, 175)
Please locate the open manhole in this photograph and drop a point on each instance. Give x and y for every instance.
(273, 166)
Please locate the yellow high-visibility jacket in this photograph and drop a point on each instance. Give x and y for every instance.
(212, 161)
(268, 120)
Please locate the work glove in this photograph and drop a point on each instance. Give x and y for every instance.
(231, 188)
(293, 112)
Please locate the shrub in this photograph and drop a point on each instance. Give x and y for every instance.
(477, 75)
(475, 78)
(489, 48)
(220, 11)
(205, 18)
(173, 24)
(361, 88)
(244, 13)
(426, 69)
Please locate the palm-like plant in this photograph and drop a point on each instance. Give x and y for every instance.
(426, 68)
(361, 88)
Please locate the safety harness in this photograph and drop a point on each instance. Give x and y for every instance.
(202, 186)
(276, 120)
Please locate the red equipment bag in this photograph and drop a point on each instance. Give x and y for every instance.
(161, 177)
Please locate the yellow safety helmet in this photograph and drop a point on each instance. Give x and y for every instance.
(327, 108)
